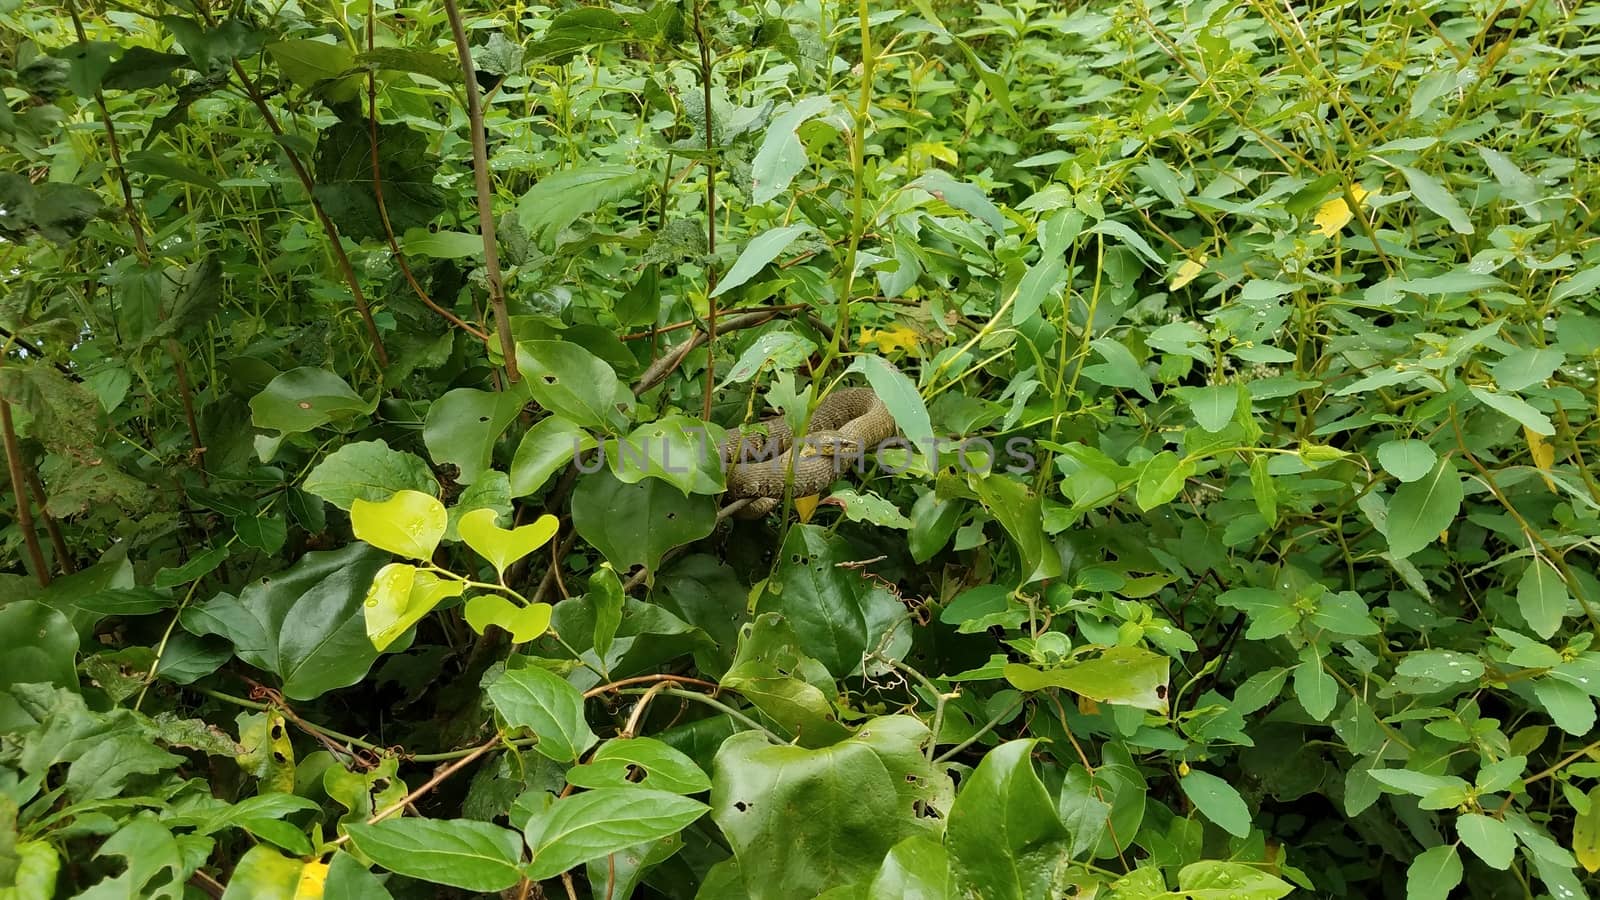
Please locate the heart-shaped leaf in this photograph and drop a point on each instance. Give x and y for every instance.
(400, 596)
(409, 523)
(501, 546)
(523, 622)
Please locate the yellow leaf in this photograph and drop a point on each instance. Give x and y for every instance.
(805, 506)
(1544, 455)
(1586, 835)
(501, 546)
(409, 524)
(400, 596)
(312, 879)
(1086, 706)
(1189, 271)
(1335, 214)
(523, 622)
(888, 340)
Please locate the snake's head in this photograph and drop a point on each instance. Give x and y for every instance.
(829, 444)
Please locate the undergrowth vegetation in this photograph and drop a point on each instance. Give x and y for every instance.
(363, 542)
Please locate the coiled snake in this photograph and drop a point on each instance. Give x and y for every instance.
(847, 425)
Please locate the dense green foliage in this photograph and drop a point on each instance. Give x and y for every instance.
(345, 557)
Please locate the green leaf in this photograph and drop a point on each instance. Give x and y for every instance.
(409, 523)
(1569, 706)
(1213, 406)
(549, 445)
(781, 350)
(575, 29)
(42, 645)
(933, 521)
(473, 856)
(1579, 285)
(1528, 367)
(1162, 479)
(867, 507)
(140, 68)
(761, 250)
(442, 244)
(524, 623)
(1019, 512)
(1131, 676)
(1437, 198)
(502, 546)
(1407, 460)
(441, 68)
(1041, 278)
(1517, 409)
(618, 761)
(463, 426)
(1218, 801)
(1004, 838)
(369, 470)
(1213, 879)
(801, 821)
(561, 198)
(1423, 508)
(406, 167)
(307, 62)
(401, 594)
(1120, 369)
(659, 518)
(904, 402)
(1491, 839)
(1444, 666)
(152, 163)
(571, 382)
(676, 449)
(306, 398)
(350, 880)
(1434, 873)
(547, 705)
(968, 198)
(782, 156)
(602, 821)
(917, 867)
(606, 599)
(1313, 686)
(838, 614)
(304, 624)
(265, 874)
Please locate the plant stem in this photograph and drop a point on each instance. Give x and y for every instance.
(711, 212)
(480, 176)
(20, 491)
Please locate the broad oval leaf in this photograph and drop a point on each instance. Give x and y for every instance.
(547, 705)
(463, 853)
(598, 822)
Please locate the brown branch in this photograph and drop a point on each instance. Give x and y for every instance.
(663, 367)
(20, 491)
(438, 778)
(63, 558)
(480, 175)
(341, 259)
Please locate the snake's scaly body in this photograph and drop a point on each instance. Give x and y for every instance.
(758, 460)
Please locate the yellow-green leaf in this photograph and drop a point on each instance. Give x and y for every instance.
(409, 523)
(400, 596)
(1586, 834)
(523, 622)
(502, 546)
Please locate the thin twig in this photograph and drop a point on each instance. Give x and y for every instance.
(439, 778)
(20, 491)
(711, 210)
(63, 557)
(480, 175)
